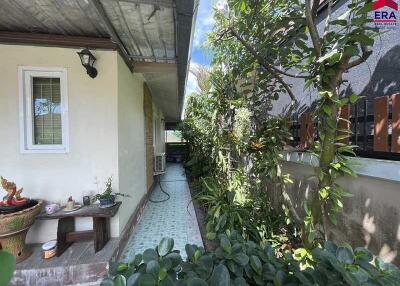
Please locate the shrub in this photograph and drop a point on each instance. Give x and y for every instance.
(240, 262)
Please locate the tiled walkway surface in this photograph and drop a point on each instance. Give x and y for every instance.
(174, 218)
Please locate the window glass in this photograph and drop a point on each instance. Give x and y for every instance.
(47, 125)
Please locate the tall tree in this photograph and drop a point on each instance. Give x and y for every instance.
(281, 40)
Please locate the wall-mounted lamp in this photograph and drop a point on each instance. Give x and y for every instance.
(88, 60)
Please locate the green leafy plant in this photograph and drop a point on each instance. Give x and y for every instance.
(108, 192)
(223, 141)
(7, 262)
(272, 41)
(237, 261)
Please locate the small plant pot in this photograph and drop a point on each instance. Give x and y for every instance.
(107, 202)
(14, 227)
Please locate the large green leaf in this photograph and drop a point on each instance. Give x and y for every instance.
(137, 260)
(122, 267)
(194, 281)
(226, 244)
(165, 246)
(153, 268)
(133, 280)
(190, 250)
(362, 253)
(255, 263)
(345, 255)
(7, 262)
(119, 280)
(147, 280)
(149, 254)
(333, 56)
(241, 259)
(175, 258)
(240, 281)
(220, 276)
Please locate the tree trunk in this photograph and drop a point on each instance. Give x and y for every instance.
(327, 155)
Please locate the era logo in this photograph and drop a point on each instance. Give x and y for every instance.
(383, 15)
(385, 3)
(387, 15)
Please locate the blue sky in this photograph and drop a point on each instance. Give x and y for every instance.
(200, 55)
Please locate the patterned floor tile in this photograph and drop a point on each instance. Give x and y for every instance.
(175, 218)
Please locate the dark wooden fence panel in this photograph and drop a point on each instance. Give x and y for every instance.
(306, 129)
(375, 124)
(396, 123)
(381, 115)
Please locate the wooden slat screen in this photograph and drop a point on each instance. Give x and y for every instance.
(381, 113)
(306, 129)
(396, 123)
(382, 142)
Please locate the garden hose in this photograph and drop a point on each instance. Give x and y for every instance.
(162, 190)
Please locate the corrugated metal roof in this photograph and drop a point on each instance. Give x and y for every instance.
(145, 30)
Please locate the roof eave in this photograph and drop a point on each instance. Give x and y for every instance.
(186, 18)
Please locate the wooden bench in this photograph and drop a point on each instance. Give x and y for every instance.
(66, 233)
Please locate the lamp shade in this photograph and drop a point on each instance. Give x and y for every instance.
(87, 60)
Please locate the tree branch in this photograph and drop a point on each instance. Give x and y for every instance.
(310, 17)
(328, 18)
(365, 55)
(261, 58)
(315, 6)
(264, 64)
(288, 74)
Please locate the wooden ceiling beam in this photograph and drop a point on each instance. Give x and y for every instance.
(161, 3)
(56, 40)
(153, 58)
(153, 67)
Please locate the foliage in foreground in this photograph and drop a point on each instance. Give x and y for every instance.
(240, 262)
(230, 161)
(7, 262)
(279, 46)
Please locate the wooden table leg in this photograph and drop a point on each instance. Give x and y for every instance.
(101, 228)
(65, 225)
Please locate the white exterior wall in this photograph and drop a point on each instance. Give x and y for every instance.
(106, 134)
(131, 141)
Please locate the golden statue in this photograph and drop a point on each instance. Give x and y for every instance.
(13, 197)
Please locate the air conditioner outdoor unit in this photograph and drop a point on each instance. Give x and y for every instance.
(159, 164)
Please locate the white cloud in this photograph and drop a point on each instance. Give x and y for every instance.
(204, 23)
(191, 84)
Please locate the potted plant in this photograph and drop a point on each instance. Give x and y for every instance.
(17, 215)
(107, 198)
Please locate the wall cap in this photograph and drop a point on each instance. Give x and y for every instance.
(375, 168)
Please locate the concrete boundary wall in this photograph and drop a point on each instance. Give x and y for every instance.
(371, 218)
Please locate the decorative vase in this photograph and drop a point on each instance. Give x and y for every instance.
(14, 227)
(107, 202)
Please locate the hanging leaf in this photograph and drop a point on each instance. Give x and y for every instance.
(165, 246)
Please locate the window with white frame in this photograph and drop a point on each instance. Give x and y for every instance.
(43, 110)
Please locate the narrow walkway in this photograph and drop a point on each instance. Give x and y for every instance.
(175, 218)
